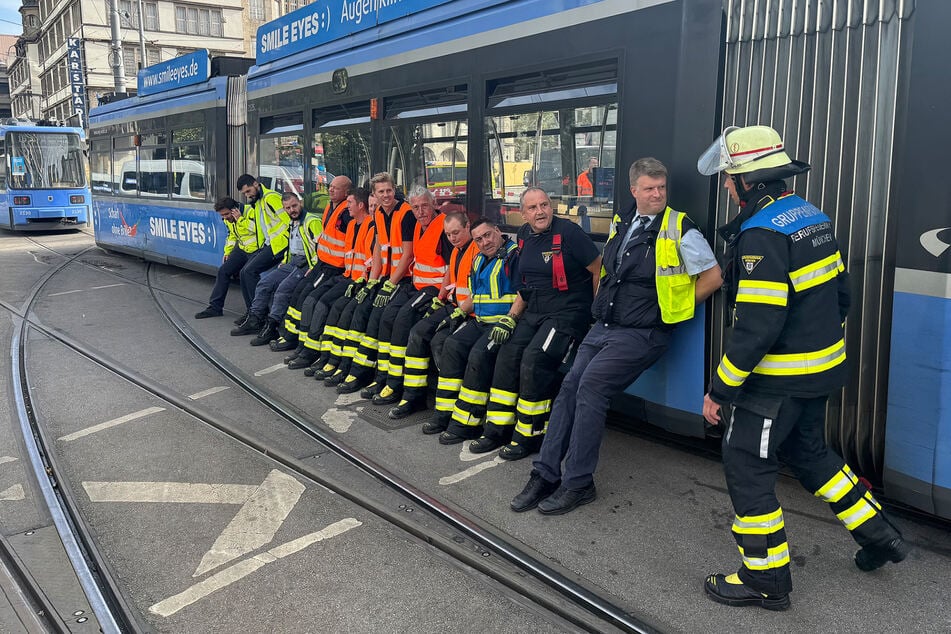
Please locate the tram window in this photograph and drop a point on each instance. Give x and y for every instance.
(338, 153)
(432, 155)
(100, 167)
(569, 152)
(123, 166)
(3, 161)
(282, 164)
(188, 166)
(153, 172)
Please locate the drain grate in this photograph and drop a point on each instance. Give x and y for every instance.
(376, 415)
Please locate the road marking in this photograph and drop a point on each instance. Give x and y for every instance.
(36, 259)
(169, 492)
(111, 423)
(181, 274)
(229, 575)
(273, 368)
(208, 392)
(6, 459)
(78, 290)
(466, 454)
(349, 399)
(13, 493)
(340, 420)
(256, 523)
(471, 471)
(96, 288)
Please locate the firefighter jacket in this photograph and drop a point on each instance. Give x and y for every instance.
(271, 221)
(332, 245)
(460, 265)
(241, 233)
(391, 238)
(491, 282)
(788, 287)
(429, 267)
(651, 267)
(309, 227)
(360, 239)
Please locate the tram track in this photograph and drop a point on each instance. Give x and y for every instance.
(473, 544)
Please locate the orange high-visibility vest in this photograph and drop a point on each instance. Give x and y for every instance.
(391, 242)
(332, 243)
(459, 268)
(360, 255)
(429, 267)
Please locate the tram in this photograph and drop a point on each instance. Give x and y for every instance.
(158, 160)
(496, 95)
(43, 183)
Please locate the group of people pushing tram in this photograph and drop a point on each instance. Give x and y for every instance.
(384, 296)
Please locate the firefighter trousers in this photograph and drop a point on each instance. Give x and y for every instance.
(454, 362)
(526, 379)
(478, 362)
(762, 430)
(349, 331)
(315, 311)
(416, 362)
(408, 316)
(374, 349)
(317, 277)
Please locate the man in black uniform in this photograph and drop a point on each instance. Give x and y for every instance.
(559, 267)
(657, 267)
(789, 290)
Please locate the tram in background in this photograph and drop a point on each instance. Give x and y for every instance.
(503, 94)
(160, 159)
(43, 182)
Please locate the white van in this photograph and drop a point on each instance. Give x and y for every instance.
(188, 179)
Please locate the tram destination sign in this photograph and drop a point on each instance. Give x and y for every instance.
(324, 21)
(186, 70)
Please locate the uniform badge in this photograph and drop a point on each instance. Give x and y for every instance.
(750, 262)
(546, 256)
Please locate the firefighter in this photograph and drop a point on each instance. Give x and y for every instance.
(332, 338)
(392, 264)
(789, 291)
(275, 286)
(559, 267)
(271, 225)
(431, 251)
(240, 246)
(657, 266)
(468, 353)
(453, 292)
(331, 250)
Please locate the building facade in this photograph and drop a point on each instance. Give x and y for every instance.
(64, 59)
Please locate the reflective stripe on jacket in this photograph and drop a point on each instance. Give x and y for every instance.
(361, 238)
(332, 244)
(241, 233)
(459, 272)
(391, 242)
(676, 289)
(493, 290)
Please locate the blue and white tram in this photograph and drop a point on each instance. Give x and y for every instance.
(158, 160)
(43, 181)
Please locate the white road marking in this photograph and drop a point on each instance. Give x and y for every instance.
(349, 399)
(13, 493)
(256, 523)
(96, 288)
(229, 575)
(181, 274)
(273, 368)
(471, 471)
(111, 423)
(78, 290)
(339, 420)
(169, 492)
(38, 261)
(208, 392)
(6, 459)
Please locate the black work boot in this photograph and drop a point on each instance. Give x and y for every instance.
(267, 333)
(249, 326)
(536, 490)
(874, 557)
(303, 360)
(240, 320)
(439, 423)
(285, 341)
(208, 312)
(729, 590)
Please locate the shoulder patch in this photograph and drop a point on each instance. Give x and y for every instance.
(750, 262)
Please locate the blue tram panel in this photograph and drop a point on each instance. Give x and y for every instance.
(44, 185)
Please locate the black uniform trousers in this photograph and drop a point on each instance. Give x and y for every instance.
(334, 336)
(374, 349)
(466, 366)
(762, 430)
(316, 310)
(318, 276)
(527, 374)
(349, 331)
(262, 260)
(230, 267)
(416, 362)
(410, 314)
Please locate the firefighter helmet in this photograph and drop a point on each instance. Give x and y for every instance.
(756, 151)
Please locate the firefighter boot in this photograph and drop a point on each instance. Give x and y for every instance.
(729, 590)
(267, 334)
(249, 326)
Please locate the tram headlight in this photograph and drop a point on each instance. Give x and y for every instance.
(77, 199)
(21, 200)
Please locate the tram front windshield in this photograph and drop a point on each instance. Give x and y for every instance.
(45, 160)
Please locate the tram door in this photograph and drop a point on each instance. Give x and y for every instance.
(281, 153)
